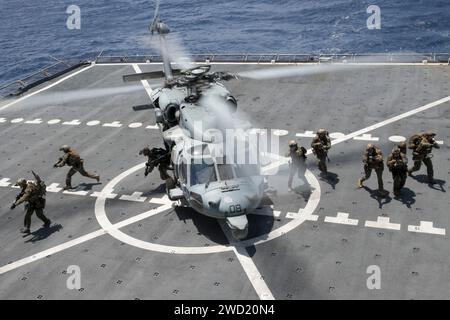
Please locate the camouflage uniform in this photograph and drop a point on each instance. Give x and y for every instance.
(157, 157)
(373, 160)
(398, 165)
(71, 158)
(422, 145)
(35, 199)
(297, 163)
(321, 144)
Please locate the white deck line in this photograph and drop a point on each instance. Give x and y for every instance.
(45, 88)
(250, 269)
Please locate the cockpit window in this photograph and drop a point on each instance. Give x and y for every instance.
(225, 171)
(247, 170)
(202, 173)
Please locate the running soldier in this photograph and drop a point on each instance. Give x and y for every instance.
(398, 165)
(321, 144)
(297, 164)
(157, 157)
(71, 158)
(373, 160)
(32, 192)
(422, 145)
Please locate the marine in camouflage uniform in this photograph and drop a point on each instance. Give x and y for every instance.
(71, 158)
(297, 163)
(31, 193)
(398, 165)
(373, 160)
(422, 145)
(157, 157)
(321, 144)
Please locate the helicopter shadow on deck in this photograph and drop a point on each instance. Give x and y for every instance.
(438, 183)
(211, 229)
(159, 191)
(44, 233)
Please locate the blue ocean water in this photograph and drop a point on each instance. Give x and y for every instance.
(32, 31)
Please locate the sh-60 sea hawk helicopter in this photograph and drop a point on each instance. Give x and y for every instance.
(192, 102)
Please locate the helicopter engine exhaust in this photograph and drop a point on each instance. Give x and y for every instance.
(170, 112)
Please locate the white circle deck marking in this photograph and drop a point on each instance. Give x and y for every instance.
(105, 223)
(397, 139)
(280, 133)
(93, 123)
(135, 125)
(336, 135)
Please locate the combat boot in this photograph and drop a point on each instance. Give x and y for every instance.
(382, 193)
(25, 230)
(47, 223)
(360, 183)
(67, 188)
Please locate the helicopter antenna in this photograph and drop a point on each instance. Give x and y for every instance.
(162, 30)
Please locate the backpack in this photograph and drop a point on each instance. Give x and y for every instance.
(414, 141)
(40, 187)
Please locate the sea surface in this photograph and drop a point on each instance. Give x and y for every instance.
(34, 33)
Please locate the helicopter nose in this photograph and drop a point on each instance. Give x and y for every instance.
(238, 226)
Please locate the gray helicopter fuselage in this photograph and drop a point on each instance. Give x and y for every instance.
(215, 189)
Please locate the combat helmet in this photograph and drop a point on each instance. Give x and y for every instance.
(21, 182)
(64, 148)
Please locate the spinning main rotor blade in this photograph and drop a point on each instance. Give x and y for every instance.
(147, 75)
(79, 95)
(356, 63)
(296, 71)
(143, 76)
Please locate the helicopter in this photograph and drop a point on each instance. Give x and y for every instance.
(190, 104)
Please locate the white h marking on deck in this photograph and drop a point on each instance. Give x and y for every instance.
(426, 227)
(383, 223)
(342, 218)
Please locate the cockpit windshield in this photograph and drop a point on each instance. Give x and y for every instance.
(225, 171)
(202, 173)
(247, 170)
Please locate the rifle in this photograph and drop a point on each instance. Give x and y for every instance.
(56, 164)
(153, 163)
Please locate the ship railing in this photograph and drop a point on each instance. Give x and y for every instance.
(60, 67)
(287, 58)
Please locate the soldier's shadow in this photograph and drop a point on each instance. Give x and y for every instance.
(407, 197)
(382, 200)
(305, 190)
(438, 185)
(331, 178)
(86, 186)
(44, 233)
